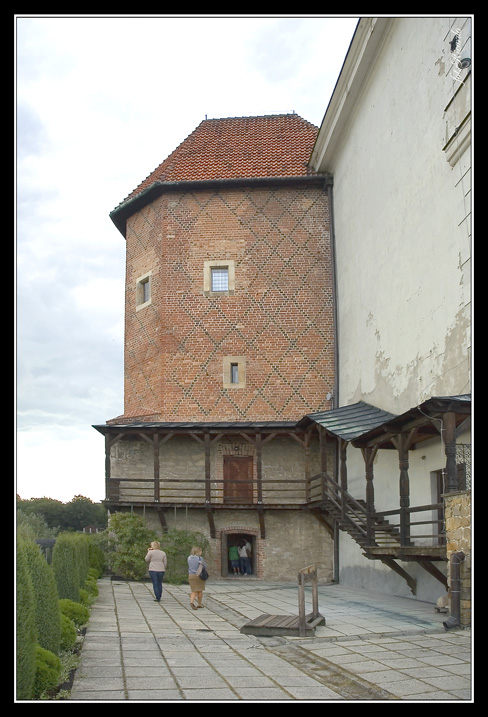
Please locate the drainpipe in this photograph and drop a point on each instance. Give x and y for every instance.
(328, 185)
(329, 182)
(455, 616)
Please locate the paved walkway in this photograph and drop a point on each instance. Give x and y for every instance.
(372, 648)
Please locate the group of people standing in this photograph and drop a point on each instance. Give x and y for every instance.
(240, 557)
(157, 562)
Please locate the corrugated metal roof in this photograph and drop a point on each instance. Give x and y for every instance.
(350, 422)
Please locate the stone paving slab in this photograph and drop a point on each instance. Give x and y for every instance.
(372, 648)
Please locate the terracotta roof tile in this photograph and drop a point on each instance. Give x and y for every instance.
(239, 147)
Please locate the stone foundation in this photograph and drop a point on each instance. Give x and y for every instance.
(458, 534)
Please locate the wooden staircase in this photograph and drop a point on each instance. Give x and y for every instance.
(379, 539)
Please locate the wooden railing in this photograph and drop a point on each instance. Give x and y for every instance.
(371, 528)
(368, 528)
(196, 491)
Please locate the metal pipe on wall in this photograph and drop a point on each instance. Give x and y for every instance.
(454, 619)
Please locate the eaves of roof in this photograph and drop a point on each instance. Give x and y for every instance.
(228, 152)
(189, 426)
(132, 205)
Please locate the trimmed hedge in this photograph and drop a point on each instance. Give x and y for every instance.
(69, 633)
(70, 564)
(75, 611)
(48, 672)
(26, 627)
(48, 613)
(47, 619)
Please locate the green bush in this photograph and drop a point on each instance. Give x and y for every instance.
(48, 614)
(26, 633)
(69, 633)
(48, 671)
(91, 587)
(177, 545)
(75, 611)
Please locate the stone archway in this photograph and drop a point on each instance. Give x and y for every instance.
(238, 532)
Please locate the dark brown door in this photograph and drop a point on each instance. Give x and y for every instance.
(238, 479)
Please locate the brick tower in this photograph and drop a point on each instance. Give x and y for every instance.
(229, 279)
(229, 342)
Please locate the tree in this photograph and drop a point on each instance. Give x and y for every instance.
(33, 525)
(49, 508)
(81, 512)
(75, 515)
(129, 539)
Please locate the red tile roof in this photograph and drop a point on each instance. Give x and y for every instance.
(239, 147)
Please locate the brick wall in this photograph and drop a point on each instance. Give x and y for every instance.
(278, 319)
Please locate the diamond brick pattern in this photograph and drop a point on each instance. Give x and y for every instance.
(279, 319)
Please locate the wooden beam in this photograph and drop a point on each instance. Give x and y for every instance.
(156, 467)
(162, 519)
(206, 438)
(434, 571)
(259, 467)
(107, 466)
(411, 582)
(211, 522)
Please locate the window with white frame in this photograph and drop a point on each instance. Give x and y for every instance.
(218, 278)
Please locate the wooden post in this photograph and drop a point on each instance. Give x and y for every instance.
(301, 605)
(107, 466)
(323, 458)
(207, 466)
(343, 474)
(307, 466)
(259, 467)
(156, 467)
(402, 443)
(369, 456)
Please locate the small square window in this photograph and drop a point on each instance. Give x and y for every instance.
(218, 278)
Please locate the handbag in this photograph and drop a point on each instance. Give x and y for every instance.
(202, 572)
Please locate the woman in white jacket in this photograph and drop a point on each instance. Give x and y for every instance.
(156, 558)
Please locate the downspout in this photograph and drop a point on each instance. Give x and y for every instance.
(454, 619)
(329, 182)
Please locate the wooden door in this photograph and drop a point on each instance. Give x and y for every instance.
(238, 474)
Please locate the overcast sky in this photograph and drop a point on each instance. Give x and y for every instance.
(100, 102)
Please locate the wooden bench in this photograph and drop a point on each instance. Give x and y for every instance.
(298, 626)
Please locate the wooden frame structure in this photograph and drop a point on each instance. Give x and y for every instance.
(384, 535)
(300, 625)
